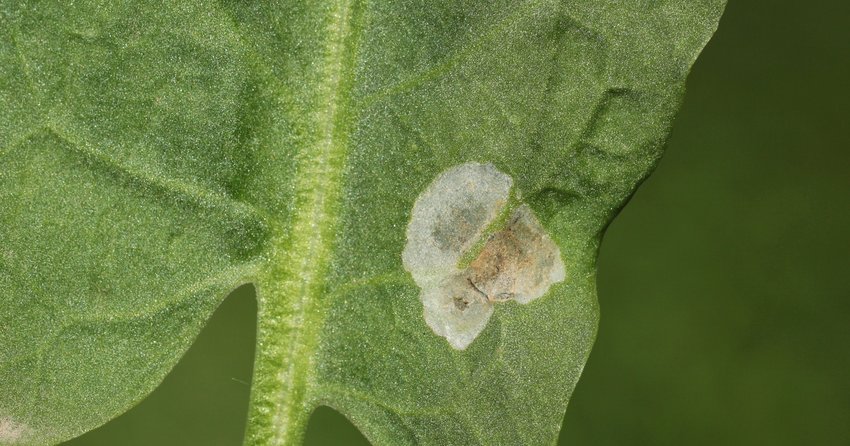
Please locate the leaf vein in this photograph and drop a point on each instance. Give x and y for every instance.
(187, 190)
(444, 67)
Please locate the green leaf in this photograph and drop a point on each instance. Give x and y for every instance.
(154, 157)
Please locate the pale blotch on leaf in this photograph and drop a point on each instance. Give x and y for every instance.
(517, 261)
(11, 432)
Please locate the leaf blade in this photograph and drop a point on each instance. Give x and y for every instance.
(291, 141)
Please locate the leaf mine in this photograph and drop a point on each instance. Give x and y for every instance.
(11, 432)
(518, 261)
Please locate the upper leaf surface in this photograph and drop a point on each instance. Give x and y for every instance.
(121, 224)
(155, 157)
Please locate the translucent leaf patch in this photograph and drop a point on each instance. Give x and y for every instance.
(458, 214)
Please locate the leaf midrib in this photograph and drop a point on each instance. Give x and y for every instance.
(294, 278)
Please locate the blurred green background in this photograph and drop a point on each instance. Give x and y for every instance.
(723, 284)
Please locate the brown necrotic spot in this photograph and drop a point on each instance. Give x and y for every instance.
(461, 303)
(519, 262)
